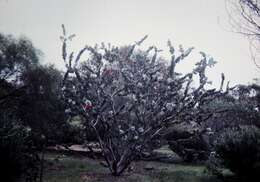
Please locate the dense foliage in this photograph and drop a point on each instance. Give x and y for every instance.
(18, 160)
(31, 111)
(40, 106)
(16, 55)
(239, 150)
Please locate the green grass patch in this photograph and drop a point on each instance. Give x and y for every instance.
(60, 168)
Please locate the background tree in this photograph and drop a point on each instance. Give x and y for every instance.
(16, 56)
(241, 107)
(236, 132)
(133, 95)
(244, 17)
(40, 107)
(30, 95)
(18, 158)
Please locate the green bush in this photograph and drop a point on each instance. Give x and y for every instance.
(239, 150)
(18, 160)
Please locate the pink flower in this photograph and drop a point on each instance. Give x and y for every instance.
(108, 71)
(87, 105)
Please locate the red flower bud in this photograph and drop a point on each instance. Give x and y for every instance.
(108, 71)
(88, 107)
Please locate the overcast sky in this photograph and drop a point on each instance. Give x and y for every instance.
(199, 23)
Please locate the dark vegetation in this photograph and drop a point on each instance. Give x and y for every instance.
(240, 150)
(124, 107)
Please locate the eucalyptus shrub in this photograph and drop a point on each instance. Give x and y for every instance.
(128, 97)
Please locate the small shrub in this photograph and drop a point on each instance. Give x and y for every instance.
(239, 150)
(192, 144)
